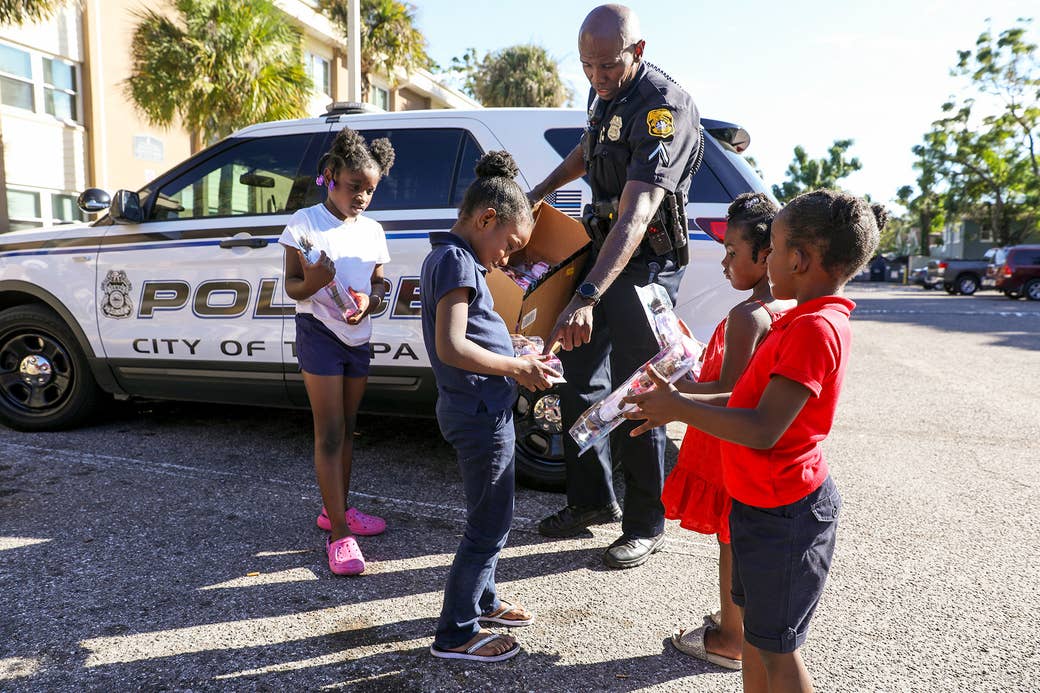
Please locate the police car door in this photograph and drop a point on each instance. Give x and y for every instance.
(434, 159)
(192, 303)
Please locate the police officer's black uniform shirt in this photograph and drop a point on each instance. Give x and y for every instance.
(648, 133)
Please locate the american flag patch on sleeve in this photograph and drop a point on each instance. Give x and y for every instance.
(567, 201)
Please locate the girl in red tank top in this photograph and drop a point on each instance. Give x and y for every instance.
(694, 493)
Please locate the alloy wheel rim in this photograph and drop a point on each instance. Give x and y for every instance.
(36, 372)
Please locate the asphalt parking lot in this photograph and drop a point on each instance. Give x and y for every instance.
(172, 546)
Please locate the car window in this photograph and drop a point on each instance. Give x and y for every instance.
(426, 162)
(253, 177)
(705, 186)
(466, 171)
(563, 140)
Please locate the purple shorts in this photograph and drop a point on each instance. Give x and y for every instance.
(321, 352)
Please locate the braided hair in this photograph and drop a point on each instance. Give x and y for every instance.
(350, 151)
(844, 229)
(753, 213)
(496, 187)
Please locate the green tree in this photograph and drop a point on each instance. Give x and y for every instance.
(517, 76)
(1007, 67)
(389, 38)
(218, 65)
(924, 209)
(19, 12)
(805, 174)
(982, 152)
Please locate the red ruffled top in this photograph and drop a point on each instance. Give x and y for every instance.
(693, 493)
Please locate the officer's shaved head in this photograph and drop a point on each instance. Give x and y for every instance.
(612, 21)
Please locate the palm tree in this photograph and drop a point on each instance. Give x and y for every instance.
(19, 12)
(519, 76)
(389, 39)
(218, 66)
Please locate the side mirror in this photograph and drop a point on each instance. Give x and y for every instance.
(93, 200)
(126, 208)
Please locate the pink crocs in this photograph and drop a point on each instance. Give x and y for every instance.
(359, 523)
(345, 556)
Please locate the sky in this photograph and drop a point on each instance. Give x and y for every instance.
(799, 72)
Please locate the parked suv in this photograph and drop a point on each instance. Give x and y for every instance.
(1016, 271)
(177, 293)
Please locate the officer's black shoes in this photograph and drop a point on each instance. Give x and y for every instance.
(628, 552)
(573, 520)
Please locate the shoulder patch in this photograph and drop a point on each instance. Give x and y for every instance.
(660, 122)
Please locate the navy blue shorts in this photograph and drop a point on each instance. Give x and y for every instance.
(781, 557)
(321, 352)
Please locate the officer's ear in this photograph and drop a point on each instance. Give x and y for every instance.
(637, 49)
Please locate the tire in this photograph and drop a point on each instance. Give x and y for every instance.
(1032, 290)
(967, 284)
(950, 289)
(539, 441)
(64, 394)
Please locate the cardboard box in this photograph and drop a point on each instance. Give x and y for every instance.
(559, 241)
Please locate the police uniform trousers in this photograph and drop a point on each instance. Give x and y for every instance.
(622, 341)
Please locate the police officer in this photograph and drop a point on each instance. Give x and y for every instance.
(639, 149)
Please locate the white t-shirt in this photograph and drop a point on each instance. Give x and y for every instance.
(355, 247)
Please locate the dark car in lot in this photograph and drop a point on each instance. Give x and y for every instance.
(959, 276)
(1015, 271)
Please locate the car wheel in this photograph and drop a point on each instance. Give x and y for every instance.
(539, 440)
(45, 381)
(967, 284)
(1032, 290)
(950, 289)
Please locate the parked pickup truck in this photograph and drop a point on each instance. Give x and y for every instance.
(960, 276)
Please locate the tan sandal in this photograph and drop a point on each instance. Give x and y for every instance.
(470, 653)
(509, 615)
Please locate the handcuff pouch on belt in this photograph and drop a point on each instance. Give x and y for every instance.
(666, 232)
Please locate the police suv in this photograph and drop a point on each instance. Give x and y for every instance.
(177, 292)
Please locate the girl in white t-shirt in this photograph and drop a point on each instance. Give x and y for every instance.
(334, 261)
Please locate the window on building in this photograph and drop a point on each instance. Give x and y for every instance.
(23, 209)
(261, 176)
(26, 76)
(320, 71)
(59, 88)
(65, 209)
(16, 85)
(380, 97)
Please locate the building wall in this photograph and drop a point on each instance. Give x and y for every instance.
(42, 119)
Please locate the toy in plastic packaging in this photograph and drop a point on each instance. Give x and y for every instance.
(524, 346)
(672, 362)
(667, 326)
(346, 300)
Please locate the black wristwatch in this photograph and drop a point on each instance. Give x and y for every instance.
(588, 291)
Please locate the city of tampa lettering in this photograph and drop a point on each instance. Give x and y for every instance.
(232, 347)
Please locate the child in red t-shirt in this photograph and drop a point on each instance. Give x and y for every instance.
(785, 506)
(694, 492)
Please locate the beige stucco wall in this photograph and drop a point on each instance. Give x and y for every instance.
(109, 28)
